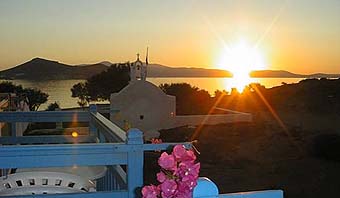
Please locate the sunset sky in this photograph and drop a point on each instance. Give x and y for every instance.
(301, 36)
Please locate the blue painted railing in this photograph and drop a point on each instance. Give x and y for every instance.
(106, 145)
(207, 189)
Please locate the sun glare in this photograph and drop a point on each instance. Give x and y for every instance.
(74, 134)
(240, 59)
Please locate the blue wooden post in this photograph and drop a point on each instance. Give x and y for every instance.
(135, 162)
(92, 127)
(59, 125)
(205, 189)
(13, 129)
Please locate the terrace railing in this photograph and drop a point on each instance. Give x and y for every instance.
(122, 153)
(105, 145)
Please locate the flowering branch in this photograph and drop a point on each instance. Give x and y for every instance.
(178, 175)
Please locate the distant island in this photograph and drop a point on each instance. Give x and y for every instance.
(286, 74)
(42, 69)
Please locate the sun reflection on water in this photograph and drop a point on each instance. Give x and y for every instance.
(239, 82)
(213, 84)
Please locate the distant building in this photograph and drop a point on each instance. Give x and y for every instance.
(142, 105)
(138, 70)
(145, 106)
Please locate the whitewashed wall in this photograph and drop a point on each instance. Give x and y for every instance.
(143, 105)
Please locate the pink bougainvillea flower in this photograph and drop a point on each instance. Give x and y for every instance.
(183, 190)
(168, 188)
(151, 191)
(156, 141)
(161, 177)
(194, 169)
(179, 152)
(167, 161)
(189, 182)
(178, 176)
(188, 168)
(184, 195)
(183, 187)
(190, 156)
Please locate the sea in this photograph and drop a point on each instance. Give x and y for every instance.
(60, 90)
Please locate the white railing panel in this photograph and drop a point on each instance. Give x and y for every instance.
(108, 128)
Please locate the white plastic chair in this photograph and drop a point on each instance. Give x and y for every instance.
(33, 183)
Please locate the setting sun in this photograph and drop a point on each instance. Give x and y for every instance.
(240, 59)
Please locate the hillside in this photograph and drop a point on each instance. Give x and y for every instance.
(156, 70)
(274, 74)
(40, 69)
(286, 74)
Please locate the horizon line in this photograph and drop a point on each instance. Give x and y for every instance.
(172, 66)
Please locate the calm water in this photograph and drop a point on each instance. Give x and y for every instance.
(59, 90)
